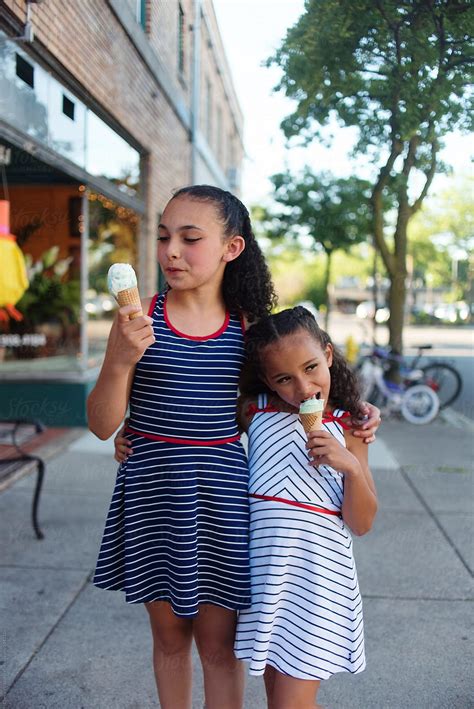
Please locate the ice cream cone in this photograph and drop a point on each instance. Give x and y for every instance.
(312, 422)
(130, 296)
(311, 414)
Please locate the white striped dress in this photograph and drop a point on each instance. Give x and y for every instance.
(177, 528)
(306, 614)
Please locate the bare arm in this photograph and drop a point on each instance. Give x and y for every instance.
(243, 415)
(360, 499)
(108, 401)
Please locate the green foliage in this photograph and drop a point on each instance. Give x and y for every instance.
(334, 212)
(49, 297)
(399, 71)
(441, 236)
(316, 294)
(393, 69)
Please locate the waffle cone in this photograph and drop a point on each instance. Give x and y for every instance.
(312, 422)
(130, 296)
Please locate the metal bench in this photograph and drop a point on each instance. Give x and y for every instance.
(16, 461)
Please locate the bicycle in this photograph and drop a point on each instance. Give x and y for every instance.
(417, 402)
(441, 376)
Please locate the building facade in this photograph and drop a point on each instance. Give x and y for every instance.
(106, 106)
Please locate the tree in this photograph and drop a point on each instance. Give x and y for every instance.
(399, 71)
(441, 237)
(334, 213)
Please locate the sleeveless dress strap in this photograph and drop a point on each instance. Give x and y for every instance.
(262, 401)
(152, 305)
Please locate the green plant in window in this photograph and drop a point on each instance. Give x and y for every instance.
(50, 297)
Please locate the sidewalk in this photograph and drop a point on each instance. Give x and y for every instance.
(68, 645)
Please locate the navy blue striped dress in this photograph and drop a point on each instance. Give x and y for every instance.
(306, 615)
(177, 528)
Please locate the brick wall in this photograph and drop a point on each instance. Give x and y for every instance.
(89, 41)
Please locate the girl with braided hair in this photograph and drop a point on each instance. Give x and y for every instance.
(176, 536)
(305, 622)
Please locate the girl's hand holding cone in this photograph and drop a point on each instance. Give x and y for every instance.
(129, 338)
(324, 449)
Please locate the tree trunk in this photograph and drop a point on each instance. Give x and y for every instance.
(396, 304)
(327, 278)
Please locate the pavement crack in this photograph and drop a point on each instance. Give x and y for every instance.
(37, 650)
(433, 516)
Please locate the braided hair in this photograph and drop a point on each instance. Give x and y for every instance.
(343, 393)
(247, 286)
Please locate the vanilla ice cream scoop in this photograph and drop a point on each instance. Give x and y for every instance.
(122, 283)
(311, 414)
(121, 276)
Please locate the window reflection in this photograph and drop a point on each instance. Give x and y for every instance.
(42, 329)
(108, 155)
(35, 104)
(112, 239)
(66, 135)
(22, 105)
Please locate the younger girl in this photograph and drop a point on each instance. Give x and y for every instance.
(305, 621)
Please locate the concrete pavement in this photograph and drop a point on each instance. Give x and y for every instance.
(66, 644)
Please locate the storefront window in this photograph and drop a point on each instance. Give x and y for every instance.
(109, 156)
(40, 293)
(112, 239)
(33, 101)
(67, 117)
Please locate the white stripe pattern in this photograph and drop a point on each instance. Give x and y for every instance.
(306, 614)
(177, 528)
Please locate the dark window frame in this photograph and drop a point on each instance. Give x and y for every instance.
(69, 107)
(25, 71)
(181, 42)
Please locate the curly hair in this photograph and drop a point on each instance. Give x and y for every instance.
(247, 285)
(344, 391)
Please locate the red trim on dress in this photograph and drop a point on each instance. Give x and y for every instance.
(269, 408)
(254, 409)
(152, 305)
(185, 441)
(305, 506)
(338, 419)
(193, 337)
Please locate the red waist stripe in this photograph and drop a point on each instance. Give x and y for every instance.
(305, 506)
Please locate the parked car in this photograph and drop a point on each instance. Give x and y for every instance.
(366, 310)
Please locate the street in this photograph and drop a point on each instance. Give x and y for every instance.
(454, 344)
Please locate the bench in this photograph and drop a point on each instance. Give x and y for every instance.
(17, 440)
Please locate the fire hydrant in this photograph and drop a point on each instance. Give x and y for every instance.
(352, 350)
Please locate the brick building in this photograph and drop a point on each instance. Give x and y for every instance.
(106, 106)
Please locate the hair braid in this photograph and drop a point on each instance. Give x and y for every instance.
(344, 391)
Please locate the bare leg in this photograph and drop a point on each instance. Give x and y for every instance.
(292, 693)
(269, 679)
(214, 632)
(172, 639)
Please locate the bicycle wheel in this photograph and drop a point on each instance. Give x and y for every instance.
(444, 379)
(420, 404)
